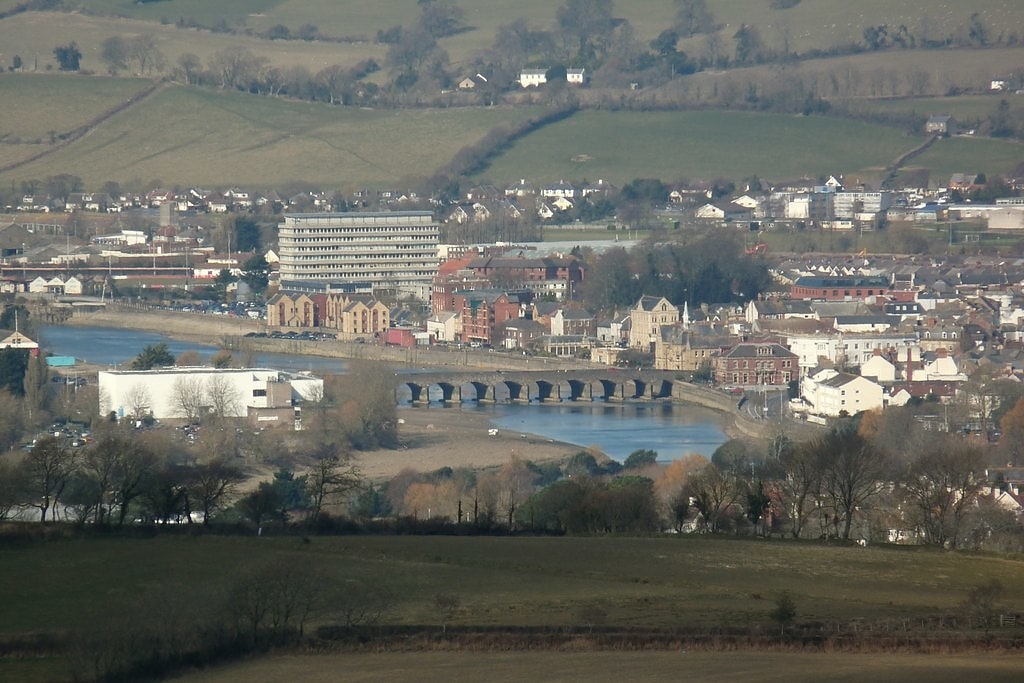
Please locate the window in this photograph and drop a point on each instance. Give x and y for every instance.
(257, 393)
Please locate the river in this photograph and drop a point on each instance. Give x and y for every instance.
(673, 430)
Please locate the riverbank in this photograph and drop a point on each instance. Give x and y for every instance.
(433, 438)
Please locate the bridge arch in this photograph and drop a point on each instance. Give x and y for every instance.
(475, 391)
(442, 392)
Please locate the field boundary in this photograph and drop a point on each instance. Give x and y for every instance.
(76, 134)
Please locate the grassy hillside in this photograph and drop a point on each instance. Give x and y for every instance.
(620, 146)
(214, 138)
(808, 25)
(33, 35)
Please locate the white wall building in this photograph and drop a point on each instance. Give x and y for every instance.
(852, 350)
(393, 251)
(832, 393)
(236, 391)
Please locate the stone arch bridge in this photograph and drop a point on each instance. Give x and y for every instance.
(608, 384)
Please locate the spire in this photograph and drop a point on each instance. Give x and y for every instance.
(686, 315)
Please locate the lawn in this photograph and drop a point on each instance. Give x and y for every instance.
(694, 145)
(218, 138)
(968, 155)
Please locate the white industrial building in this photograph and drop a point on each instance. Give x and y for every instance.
(359, 252)
(266, 397)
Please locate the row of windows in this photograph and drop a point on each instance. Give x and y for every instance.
(760, 365)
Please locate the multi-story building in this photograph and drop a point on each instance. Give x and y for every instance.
(839, 288)
(647, 317)
(394, 251)
(483, 311)
(757, 364)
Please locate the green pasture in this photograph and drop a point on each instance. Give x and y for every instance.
(35, 105)
(968, 155)
(209, 137)
(966, 109)
(674, 665)
(808, 25)
(33, 35)
(693, 145)
(658, 582)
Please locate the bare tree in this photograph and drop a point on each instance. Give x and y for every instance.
(275, 601)
(187, 397)
(10, 488)
(138, 401)
(45, 472)
(189, 66)
(222, 396)
(853, 473)
(943, 483)
(329, 480)
(714, 493)
(800, 484)
(210, 487)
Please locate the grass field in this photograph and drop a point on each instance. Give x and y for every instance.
(965, 108)
(703, 667)
(808, 25)
(968, 155)
(218, 138)
(35, 105)
(660, 582)
(33, 35)
(620, 146)
(684, 582)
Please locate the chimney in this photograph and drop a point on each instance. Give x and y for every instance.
(910, 367)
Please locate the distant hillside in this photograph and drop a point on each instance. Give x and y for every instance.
(868, 73)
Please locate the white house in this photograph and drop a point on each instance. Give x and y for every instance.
(576, 75)
(879, 368)
(832, 393)
(531, 78)
(444, 326)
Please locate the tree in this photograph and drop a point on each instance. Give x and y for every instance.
(114, 51)
(138, 401)
(784, 612)
(853, 473)
(188, 398)
(256, 273)
(68, 56)
(748, 44)
(801, 484)
(943, 483)
(154, 355)
(222, 396)
(331, 478)
(447, 605)
(45, 472)
(982, 603)
(236, 67)
(640, 458)
(36, 383)
(714, 493)
(441, 19)
(189, 65)
(210, 486)
(693, 17)
(13, 365)
(263, 503)
(10, 488)
(273, 602)
(586, 22)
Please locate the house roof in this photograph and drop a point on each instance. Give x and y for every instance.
(751, 350)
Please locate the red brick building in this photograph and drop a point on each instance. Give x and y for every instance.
(757, 364)
(483, 311)
(839, 288)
